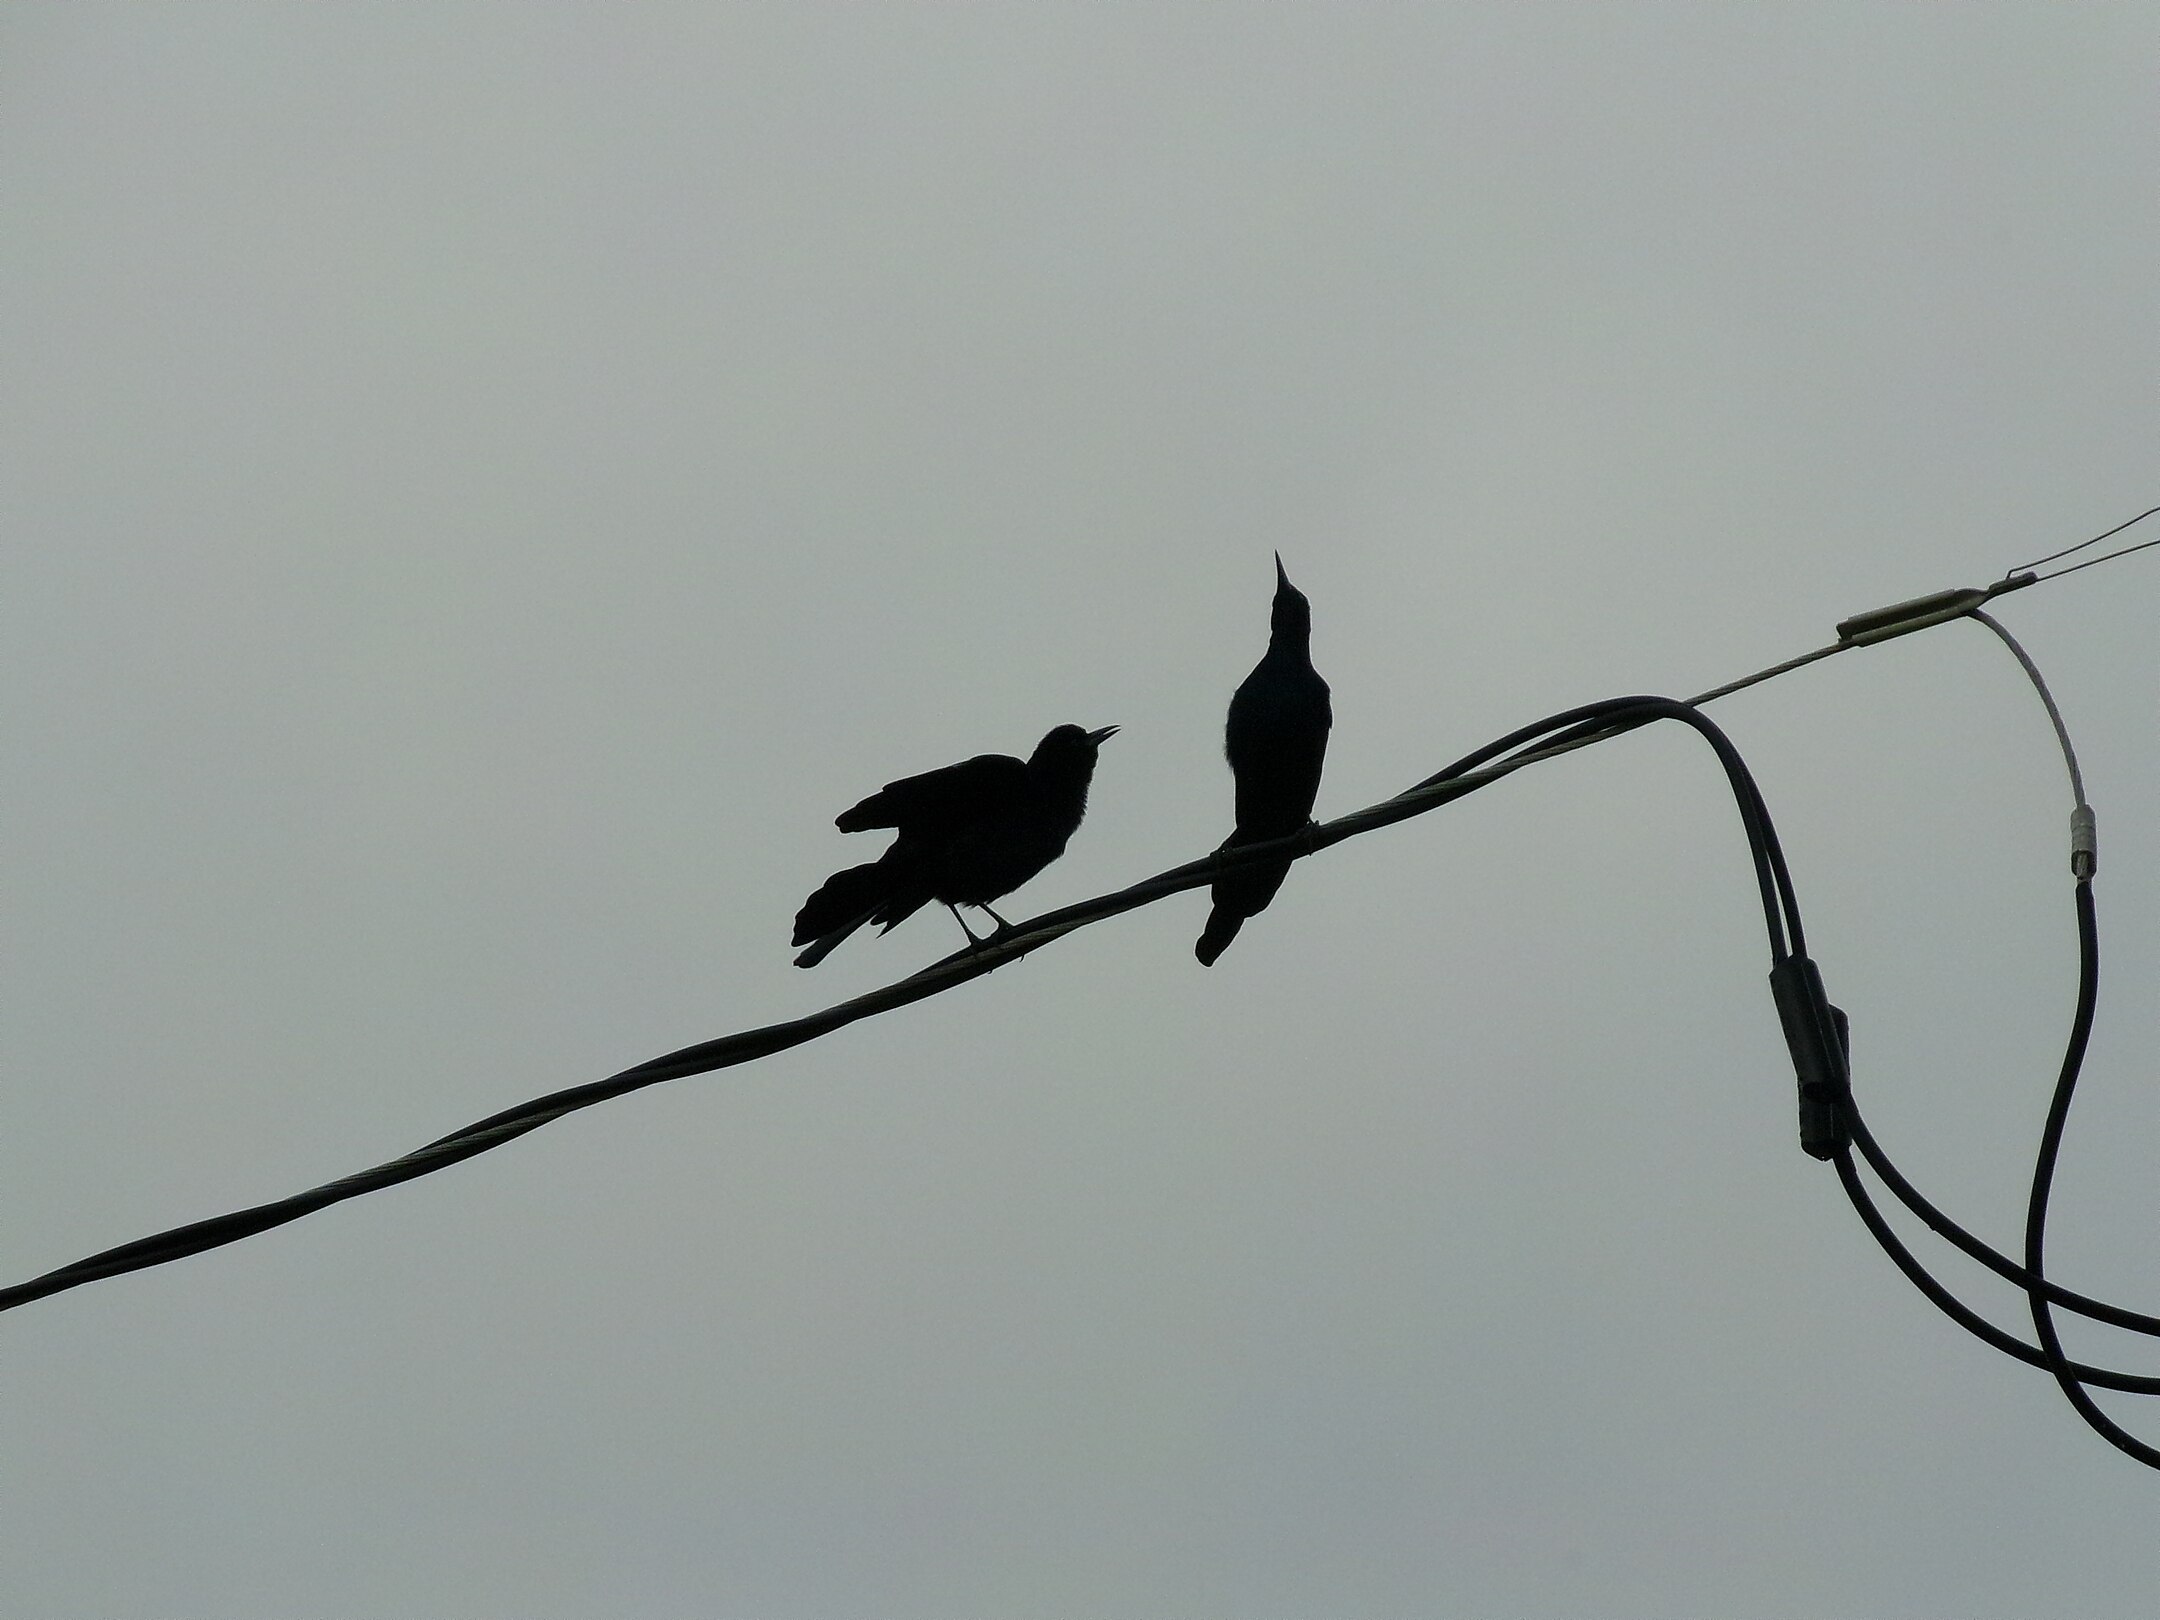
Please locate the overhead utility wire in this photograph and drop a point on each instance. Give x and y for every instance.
(2082, 865)
(2092, 562)
(1600, 721)
(2068, 1376)
(2042, 1296)
(1943, 1225)
(1563, 733)
(1464, 777)
(2084, 861)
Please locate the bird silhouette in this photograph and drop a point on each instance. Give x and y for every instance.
(969, 834)
(1275, 740)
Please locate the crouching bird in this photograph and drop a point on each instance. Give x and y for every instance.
(1275, 740)
(969, 834)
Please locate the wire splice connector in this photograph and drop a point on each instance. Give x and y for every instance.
(2084, 843)
(1818, 1036)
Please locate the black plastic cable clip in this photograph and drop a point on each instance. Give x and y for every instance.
(1819, 1037)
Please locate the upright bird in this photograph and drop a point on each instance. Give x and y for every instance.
(1275, 741)
(969, 834)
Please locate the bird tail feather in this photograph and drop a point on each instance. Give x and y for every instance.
(1222, 928)
(824, 945)
(1237, 896)
(842, 904)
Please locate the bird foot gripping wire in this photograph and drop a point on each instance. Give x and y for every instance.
(1305, 841)
(975, 941)
(978, 943)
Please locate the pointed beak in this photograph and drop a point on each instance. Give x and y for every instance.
(1098, 738)
(1282, 580)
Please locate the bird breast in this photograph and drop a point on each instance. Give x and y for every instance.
(991, 860)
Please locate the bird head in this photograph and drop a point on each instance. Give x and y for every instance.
(1292, 614)
(1069, 747)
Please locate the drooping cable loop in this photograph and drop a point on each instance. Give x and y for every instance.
(1816, 1030)
(2043, 1297)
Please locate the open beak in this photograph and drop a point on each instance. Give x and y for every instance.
(1098, 738)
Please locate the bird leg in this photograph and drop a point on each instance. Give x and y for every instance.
(1003, 927)
(974, 944)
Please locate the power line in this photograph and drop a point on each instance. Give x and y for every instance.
(1816, 1031)
(2092, 562)
(730, 1050)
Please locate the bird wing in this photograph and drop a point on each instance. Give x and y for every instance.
(941, 800)
(1276, 741)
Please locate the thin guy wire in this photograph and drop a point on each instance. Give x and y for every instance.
(2069, 551)
(2142, 545)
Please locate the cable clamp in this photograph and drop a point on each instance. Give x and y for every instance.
(1903, 618)
(1819, 1038)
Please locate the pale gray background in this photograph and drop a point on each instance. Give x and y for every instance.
(486, 484)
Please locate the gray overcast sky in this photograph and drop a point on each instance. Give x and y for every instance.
(487, 484)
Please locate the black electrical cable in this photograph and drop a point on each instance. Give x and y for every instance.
(2068, 1376)
(1948, 1303)
(1918, 1274)
(1814, 1028)
(1595, 722)
(2042, 1296)
(1578, 726)
(1994, 1259)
